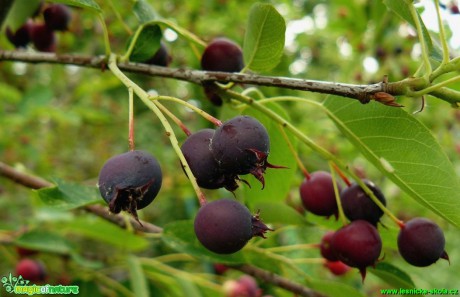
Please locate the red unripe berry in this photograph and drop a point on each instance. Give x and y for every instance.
(31, 270)
(337, 267)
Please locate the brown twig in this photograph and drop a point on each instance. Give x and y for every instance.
(277, 280)
(34, 182)
(363, 93)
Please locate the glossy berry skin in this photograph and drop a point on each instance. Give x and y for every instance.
(326, 249)
(337, 267)
(421, 242)
(57, 17)
(317, 194)
(197, 152)
(130, 181)
(241, 146)
(357, 244)
(224, 226)
(31, 270)
(21, 37)
(222, 54)
(357, 205)
(43, 38)
(161, 57)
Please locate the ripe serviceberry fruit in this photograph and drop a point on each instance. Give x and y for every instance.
(130, 181)
(197, 151)
(224, 226)
(337, 267)
(31, 270)
(317, 193)
(421, 242)
(222, 54)
(57, 17)
(241, 146)
(326, 249)
(43, 38)
(357, 205)
(357, 244)
(21, 37)
(161, 57)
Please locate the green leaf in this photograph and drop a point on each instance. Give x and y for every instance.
(144, 12)
(20, 11)
(392, 275)
(147, 43)
(401, 8)
(180, 236)
(67, 195)
(404, 150)
(101, 230)
(334, 288)
(277, 181)
(264, 39)
(137, 277)
(45, 241)
(279, 213)
(85, 4)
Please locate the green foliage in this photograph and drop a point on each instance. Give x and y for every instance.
(62, 123)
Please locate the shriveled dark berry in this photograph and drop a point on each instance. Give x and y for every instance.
(57, 17)
(222, 54)
(241, 146)
(197, 151)
(421, 242)
(21, 37)
(43, 38)
(224, 226)
(130, 181)
(357, 244)
(31, 270)
(317, 194)
(357, 205)
(326, 249)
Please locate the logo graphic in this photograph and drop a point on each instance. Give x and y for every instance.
(19, 285)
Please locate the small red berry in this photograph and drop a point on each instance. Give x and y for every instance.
(31, 270)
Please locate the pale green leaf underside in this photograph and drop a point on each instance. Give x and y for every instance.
(404, 150)
(264, 39)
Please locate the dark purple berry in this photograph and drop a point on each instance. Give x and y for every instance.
(43, 38)
(326, 249)
(224, 226)
(197, 152)
(241, 146)
(21, 37)
(317, 194)
(31, 270)
(57, 17)
(130, 181)
(161, 57)
(357, 244)
(421, 242)
(224, 55)
(357, 205)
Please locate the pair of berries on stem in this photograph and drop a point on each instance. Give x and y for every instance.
(358, 244)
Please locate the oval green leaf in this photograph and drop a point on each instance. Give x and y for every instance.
(144, 12)
(146, 44)
(404, 150)
(392, 275)
(264, 39)
(85, 4)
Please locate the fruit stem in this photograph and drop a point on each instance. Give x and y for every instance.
(144, 96)
(174, 118)
(418, 26)
(342, 217)
(294, 153)
(342, 175)
(196, 109)
(131, 120)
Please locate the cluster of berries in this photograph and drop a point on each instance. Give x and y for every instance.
(420, 241)
(42, 33)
